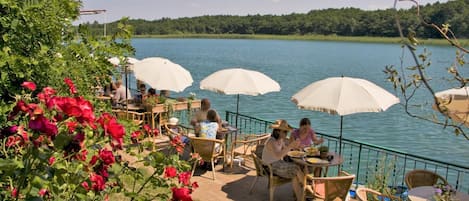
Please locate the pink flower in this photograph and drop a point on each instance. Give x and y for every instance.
(43, 192)
(14, 193)
(29, 85)
(170, 172)
(85, 185)
(93, 160)
(43, 125)
(51, 160)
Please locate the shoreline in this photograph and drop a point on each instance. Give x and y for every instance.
(360, 39)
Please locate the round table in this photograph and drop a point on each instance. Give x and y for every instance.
(337, 160)
(427, 193)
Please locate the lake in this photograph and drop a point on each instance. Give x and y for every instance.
(296, 64)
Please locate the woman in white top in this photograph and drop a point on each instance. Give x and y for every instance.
(275, 149)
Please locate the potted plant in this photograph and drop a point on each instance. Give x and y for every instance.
(323, 151)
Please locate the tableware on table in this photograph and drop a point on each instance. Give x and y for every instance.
(316, 161)
(296, 154)
(311, 151)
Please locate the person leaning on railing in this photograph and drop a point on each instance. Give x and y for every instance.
(275, 150)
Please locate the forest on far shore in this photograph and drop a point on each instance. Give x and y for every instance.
(341, 22)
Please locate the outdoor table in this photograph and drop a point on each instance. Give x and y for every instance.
(337, 160)
(226, 133)
(427, 193)
(300, 180)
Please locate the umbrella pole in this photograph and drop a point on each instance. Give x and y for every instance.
(236, 120)
(340, 135)
(340, 142)
(126, 88)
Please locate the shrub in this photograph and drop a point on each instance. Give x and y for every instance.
(55, 148)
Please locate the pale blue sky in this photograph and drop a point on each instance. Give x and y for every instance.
(157, 9)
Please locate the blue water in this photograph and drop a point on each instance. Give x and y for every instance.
(295, 64)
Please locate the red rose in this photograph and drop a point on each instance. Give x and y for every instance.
(116, 130)
(185, 178)
(14, 193)
(43, 192)
(51, 160)
(93, 160)
(106, 156)
(170, 172)
(195, 185)
(181, 194)
(71, 86)
(85, 185)
(29, 85)
(97, 182)
(71, 125)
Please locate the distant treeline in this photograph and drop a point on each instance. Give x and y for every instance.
(342, 22)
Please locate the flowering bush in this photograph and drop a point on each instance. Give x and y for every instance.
(444, 192)
(55, 148)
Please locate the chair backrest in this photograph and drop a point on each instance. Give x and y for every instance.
(335, 188)
(364, 193)
(206, 148)
(416, 178)
(137, 117)
(261, 170)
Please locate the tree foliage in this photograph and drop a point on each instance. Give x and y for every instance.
(411, 80)
(344, 22)
(39, 43)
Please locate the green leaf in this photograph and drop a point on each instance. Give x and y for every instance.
(62, 140)
(10, 164)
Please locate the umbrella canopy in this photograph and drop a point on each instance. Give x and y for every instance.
(116, 61)
(236, 81)
(455, 104)
(239, 81)
(162, 74)
(343, 96)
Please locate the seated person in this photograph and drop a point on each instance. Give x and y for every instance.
(175, 128)
(305, 134)
(275, 150)
(121, 94)
(141, 93)
(201, 115)
(164, 93)
(209, 127)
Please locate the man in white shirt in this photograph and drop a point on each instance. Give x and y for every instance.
(120, 94)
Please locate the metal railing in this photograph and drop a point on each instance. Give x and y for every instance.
(370, 163)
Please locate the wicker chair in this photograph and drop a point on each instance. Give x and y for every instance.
(245, 146)
(328, 188)
(207, 150)
(265, 170)
(136, 117)
(364, 193)
(416, 178)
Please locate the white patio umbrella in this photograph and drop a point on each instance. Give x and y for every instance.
(343, 96)
(162, 74)
(116, 61)
(236, 81)
(455, 104)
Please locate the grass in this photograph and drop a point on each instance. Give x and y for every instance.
(360, 39)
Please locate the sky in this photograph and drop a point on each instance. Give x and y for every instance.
(157, 9)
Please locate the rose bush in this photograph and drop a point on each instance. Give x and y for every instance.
(56, 148)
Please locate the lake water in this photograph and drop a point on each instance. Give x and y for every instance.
(295, 64)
